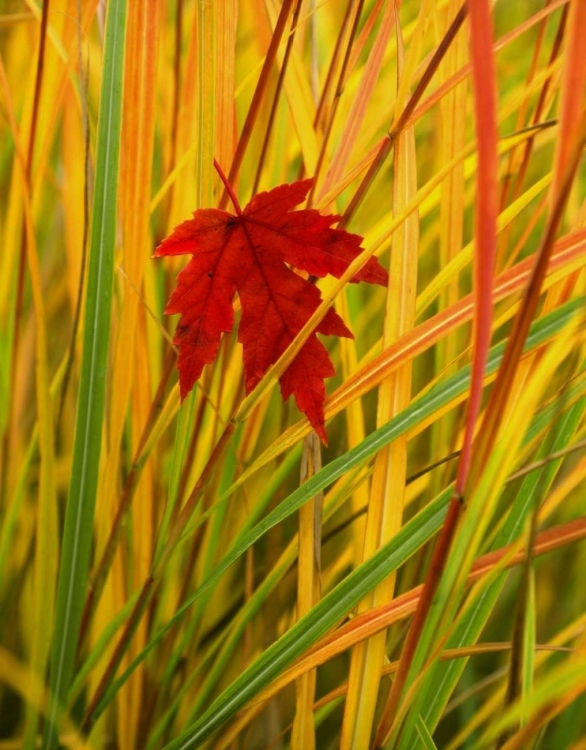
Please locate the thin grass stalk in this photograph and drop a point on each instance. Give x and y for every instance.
(15, 238)
(83, 85)
(571, 126)
(101, 570)
(47, 545)
(277, 95)
(225, 129)
(78, 530)
(518, 641)
(324, 103)
(359, 108)
(178, 31)
(46, 537)
(28, 174)
(521, 171)
(452, 207)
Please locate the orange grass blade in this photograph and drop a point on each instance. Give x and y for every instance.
(519, 158)
(452, 209)
(46, 546)
(357, 7)
(572, 133)
(300, 103)
(571, 129)
(225, 84)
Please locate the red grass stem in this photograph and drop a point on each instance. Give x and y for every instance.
(253, 110)
(485, 95)
(277, 96)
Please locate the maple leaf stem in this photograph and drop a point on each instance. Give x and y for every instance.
(228, 187)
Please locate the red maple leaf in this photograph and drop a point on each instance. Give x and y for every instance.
(248, 253)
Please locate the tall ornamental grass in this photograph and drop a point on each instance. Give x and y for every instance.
(204, 572)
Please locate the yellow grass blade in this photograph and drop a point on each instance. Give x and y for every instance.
(46, 545)
(387, 498)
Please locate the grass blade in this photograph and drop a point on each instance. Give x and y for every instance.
(79, 516)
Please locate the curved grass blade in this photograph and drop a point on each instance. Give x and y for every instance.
(90, 410)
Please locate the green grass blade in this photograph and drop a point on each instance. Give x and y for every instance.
(425, 735)
(78, 531)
